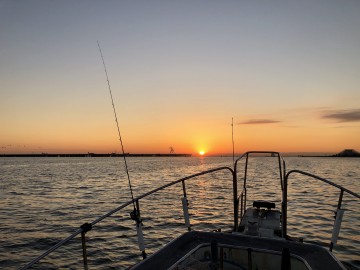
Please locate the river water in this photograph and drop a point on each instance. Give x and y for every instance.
(44, 200)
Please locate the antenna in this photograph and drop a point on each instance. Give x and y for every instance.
(232, 137)
(118, 129)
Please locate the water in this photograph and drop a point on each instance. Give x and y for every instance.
(43, 200)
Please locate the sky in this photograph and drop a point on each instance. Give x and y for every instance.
(287, 72)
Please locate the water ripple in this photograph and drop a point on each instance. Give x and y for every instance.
(46, 199)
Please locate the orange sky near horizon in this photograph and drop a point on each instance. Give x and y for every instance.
(288, 73)
(190, 138)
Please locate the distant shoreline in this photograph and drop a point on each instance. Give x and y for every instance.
(94, 155)
(350, 153)
(331, 156)
(155, 155)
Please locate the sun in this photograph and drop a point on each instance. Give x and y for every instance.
(201, 153)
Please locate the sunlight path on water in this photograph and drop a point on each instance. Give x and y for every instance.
(46, 199)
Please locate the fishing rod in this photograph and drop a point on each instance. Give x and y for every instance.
(135, 214)
(117, 124)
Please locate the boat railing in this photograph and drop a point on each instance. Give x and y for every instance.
(242, 199)
(86, 227)
(338, 214)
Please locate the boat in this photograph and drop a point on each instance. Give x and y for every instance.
(258, 238)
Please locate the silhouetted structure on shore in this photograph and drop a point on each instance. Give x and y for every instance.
(344, 153)
(348, 153)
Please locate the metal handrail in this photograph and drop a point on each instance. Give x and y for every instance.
(282, 172)
(83, 229)
(285, 193)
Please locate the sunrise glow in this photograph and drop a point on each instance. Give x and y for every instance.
(178, 78)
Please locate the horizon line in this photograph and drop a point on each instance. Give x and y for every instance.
(113, 154)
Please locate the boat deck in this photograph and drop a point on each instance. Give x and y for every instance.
(173, 253)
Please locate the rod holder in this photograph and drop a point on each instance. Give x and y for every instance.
(140, 237)
(85, 228)
(83, 243)
(337, 225)
(186, 212)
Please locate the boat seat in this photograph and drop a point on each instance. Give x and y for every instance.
(263, 204)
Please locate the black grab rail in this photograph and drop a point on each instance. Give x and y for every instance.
(88, 226)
